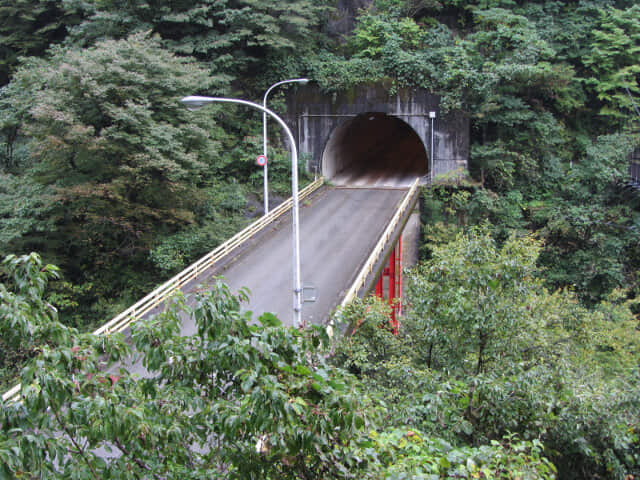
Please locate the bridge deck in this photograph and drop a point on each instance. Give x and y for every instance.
(338, 229)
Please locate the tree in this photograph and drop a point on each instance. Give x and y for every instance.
(235, 400)
(28, 28)
(108, 138)
(478, 299)
(28, 319)
(612, 62)
(234, 36)
(589, 228)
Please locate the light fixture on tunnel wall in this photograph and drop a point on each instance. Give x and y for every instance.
(432, 116)
(195, 103)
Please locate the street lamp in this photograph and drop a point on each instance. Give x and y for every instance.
(196, 103)
(303, 81)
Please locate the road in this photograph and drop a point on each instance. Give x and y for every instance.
(338, 229)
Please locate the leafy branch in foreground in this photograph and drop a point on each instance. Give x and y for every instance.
(235, 400)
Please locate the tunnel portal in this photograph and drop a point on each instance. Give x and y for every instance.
(374, 149)
(372, 131)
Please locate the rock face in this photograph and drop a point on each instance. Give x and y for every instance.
(368, 133)
(343, 20)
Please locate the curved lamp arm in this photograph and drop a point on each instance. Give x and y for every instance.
(195, 102)
(264, 135)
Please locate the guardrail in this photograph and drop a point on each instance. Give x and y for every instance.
(380, 246)
(164, 291)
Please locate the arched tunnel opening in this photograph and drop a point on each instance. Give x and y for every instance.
(374, 149)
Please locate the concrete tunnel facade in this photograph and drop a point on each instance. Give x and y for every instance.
(374, 148)
(370, 136)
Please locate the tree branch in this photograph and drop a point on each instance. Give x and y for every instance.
(75, 444)
(135, 459)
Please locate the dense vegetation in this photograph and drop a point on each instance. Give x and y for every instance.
(519, 355)
(235, 400)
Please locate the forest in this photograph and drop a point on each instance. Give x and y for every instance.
(519, 352)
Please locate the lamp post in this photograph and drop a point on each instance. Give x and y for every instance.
(303, 81)
(195, 103)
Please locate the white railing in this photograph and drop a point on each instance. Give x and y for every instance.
(164, 291)
(380, 246)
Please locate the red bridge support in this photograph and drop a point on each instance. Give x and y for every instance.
(391, 278)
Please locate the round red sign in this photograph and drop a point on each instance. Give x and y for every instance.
(261, 160)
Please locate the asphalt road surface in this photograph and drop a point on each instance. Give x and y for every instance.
(338, 229)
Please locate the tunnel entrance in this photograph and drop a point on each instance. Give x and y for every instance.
(374, 149)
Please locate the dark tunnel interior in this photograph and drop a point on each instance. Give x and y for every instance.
(374, 149)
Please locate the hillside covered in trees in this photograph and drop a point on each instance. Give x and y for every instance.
(519, 354)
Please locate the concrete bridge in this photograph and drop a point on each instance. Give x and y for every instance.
(375, 148)
(335, 244)
(371, 145)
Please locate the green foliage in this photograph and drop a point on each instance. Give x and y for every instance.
(235, 400)
(410, 454)
(477, 299)
(334, 73)
(375, 342)
(25, 206)
(374, 32)
(218, 218)
(28, 28)
(587, 223)
(28, 320)
(126, 113)
(117, 131)
(612, 60)
(588, 426)
(605, 163)
(233, 36)
(551, 371)
(590, 230)
(178, 251)
(389, 46)
(425, 421)
(558, 361)
(113, 158)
